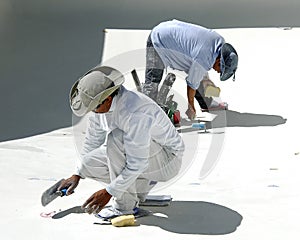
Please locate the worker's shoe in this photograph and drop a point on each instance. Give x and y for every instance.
(216, 107)
(110, 212)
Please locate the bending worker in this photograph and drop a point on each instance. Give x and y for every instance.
(190, 48)
(130, 143)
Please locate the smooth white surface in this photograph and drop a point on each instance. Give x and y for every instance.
(256, 175)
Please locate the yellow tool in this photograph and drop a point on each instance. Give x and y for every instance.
(123, 221)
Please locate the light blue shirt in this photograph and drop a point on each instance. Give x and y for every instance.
(141, 120)
(187, 47)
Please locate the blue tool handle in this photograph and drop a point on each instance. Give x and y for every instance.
(63, 192)
(198, 125)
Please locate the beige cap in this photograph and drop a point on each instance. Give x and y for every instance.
(93, 88)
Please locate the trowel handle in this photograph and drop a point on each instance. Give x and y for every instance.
(63, 192)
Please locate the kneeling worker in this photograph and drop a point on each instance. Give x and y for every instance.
(130, 143)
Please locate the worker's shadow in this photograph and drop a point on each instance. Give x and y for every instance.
(187, 217)
(193, 218)
(229, 118)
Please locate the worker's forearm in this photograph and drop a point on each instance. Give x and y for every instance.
(191, 95)
(191, 111)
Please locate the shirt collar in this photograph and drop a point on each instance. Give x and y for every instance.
(115, 100)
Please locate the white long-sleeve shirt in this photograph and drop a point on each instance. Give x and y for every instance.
(187, 47)
(141, 120)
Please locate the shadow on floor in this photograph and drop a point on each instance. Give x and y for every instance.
(229, 118)
(189, 217)
(237, 119)
(186, 217)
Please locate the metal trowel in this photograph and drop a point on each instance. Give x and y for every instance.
(51, 193)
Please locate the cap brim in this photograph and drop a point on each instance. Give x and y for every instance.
(225, 75)
(76, 104)
(99, 99)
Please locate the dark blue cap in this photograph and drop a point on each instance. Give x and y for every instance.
(228, 62)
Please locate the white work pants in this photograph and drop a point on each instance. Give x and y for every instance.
(106, 163)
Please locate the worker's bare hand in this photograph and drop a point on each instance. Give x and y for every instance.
(191, 112)
(96, 202)
(70, 184)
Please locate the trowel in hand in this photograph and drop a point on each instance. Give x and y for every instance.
(50, 194)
